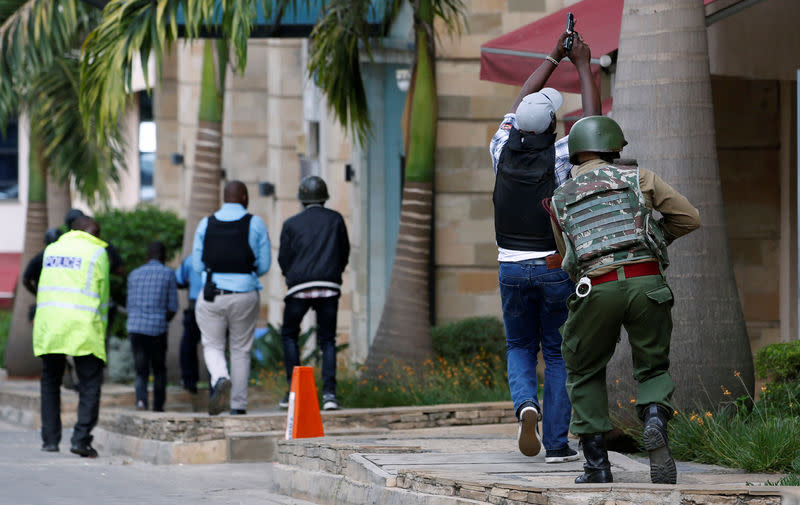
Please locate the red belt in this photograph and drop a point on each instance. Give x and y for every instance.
(631, 270)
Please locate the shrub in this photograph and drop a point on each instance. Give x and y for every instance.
(120, 361)
(5, 325)
(469, 337)
(131, 231)
(267, 351)
(779, 362)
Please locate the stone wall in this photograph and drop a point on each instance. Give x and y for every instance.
(748, 135)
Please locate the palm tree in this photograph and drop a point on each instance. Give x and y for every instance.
(135, 29)
(404, 328)
(39, 75)
(662, 99)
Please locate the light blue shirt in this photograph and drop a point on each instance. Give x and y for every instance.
(259, 243)
(186, 276)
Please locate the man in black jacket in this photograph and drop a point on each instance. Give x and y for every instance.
(313, 253)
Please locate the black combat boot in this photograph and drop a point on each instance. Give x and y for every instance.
(597, 468)
(662, 466)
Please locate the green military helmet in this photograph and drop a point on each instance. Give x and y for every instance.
(312, 190)
(599, 134)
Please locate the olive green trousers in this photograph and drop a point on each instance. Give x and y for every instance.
(643, 306)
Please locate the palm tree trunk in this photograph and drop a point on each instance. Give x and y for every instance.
(207, 174)
(59, 201)
(19, 358)
(404, 329)
(663, 103)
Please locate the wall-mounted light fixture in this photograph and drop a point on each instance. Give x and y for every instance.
(266, 189)
(403, 77)
(176, 159)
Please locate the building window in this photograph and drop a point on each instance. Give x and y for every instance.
(147, 147)
(9, 163)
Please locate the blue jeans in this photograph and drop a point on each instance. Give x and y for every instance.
(534, 307)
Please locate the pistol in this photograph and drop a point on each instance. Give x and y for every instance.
(571, 31)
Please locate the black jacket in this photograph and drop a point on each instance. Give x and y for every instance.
(314, 249)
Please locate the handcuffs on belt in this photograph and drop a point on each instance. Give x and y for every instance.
(584, 287)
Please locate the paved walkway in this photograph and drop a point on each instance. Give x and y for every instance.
(31, 477)
(436, 455)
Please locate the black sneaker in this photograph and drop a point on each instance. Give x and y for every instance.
(50, 447)
(84, 451)
(221, 398)
(528, 439)
(562, 455)
(329, 402)
(284, 403)
(238, 412)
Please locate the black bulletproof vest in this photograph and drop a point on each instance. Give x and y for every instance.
(525, 176)
(226, 246)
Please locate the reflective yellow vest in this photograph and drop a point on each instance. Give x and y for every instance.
(72, 299)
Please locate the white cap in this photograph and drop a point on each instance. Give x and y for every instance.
(537, 110)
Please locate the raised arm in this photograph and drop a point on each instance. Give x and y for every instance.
(539, 76)
(581, 56)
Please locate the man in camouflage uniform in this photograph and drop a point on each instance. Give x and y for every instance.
(616, 250)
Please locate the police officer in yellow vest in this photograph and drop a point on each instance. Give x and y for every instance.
(616, 250)
(71, 319)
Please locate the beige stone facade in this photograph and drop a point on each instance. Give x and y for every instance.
(268, 123)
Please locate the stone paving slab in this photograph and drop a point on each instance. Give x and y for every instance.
(481, 464)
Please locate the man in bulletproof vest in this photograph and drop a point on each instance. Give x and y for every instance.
(611, 242)
(529, 164)
(313, 253)
(231, 250)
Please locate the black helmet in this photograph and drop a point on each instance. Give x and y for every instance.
(71, 216)
(312, 190)
(599, 134)
(51, 235)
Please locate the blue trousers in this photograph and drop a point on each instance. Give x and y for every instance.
(534, 307)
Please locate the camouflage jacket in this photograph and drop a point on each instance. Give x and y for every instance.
(605, 221)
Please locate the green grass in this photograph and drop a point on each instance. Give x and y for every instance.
(478, 379)
(5, 326)
(754, 442)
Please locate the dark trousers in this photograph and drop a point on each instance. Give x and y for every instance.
(90, 375)
(190, 367)
(150, 352)
(293, 311)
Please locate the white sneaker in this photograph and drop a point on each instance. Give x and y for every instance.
(329, 402)
(530, 443)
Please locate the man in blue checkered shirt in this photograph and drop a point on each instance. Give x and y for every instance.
(152, 303)
(528, 165)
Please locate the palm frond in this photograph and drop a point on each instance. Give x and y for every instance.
(33, 33)
(72, 153)
(453, 14)
(133, 29)
(333, 61)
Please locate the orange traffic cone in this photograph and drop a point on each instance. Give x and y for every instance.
(303, 419)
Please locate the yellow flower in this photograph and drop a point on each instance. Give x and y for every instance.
(700, 421)
(674, 413)
(633, 400)
(737, 373)
(763, 388)
(693, 417)
(708, 414)
(619, 404)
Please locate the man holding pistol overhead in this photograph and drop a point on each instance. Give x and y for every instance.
(529, 164)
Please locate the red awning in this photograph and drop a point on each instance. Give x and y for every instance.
(511, 58)
(9, 273)
(571, 117)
